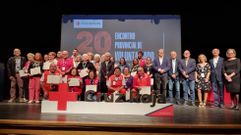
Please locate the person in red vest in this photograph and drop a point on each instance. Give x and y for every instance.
(140, 79)
(46, 86)
(92, 79)
(74, 74)
(116, 82)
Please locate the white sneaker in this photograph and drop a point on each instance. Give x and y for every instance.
(11, 100)
(37, 102)
(30, 101)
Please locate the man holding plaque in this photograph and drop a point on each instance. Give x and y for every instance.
(47, 83)
(14, 65)
(141, 79)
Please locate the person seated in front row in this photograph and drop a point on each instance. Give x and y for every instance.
(46, 86)
(116, 82)
(128, 78)
(77, 85)
(92, 79)
(140, 79)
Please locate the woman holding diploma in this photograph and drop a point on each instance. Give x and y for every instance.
(34, 79)
(75, 82)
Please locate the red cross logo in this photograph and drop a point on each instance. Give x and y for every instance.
(62, 96)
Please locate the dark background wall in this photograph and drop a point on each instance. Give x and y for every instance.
(35, 26)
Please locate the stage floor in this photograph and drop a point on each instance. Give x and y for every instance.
(22, 115)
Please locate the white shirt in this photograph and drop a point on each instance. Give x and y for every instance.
(215, 61)
(173, 65)
(160, 60)
(17, 64)
(186, 62)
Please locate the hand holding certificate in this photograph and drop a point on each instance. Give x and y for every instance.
(91, 87)
(54, 79)
(46, 65)
(22, 73)
(35, 71)
(145, 90)
(83, 72)
(74, 82)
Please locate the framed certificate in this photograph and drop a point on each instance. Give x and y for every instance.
(74, 82)
(91, 87)
(54, 79)
(145, 90)
(35, 71)
(22, 73)
(83, 72)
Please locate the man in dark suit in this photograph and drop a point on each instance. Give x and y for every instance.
(216, 64)
(173, 79)
(187, 68)
(161, 65)
(106, 70)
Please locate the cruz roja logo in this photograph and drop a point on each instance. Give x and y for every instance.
(119, 98)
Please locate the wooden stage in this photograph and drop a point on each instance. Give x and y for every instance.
(21, 118)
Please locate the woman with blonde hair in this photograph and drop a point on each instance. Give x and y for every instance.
(232, 77)
(202, 78)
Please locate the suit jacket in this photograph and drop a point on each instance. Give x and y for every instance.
(217, 73)
(177, 70)
(151, 70)
(103, 70)
(189, 69)
(165, 65)
(11, 65)
(89, 65)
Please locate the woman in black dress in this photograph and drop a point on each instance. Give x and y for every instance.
(232, 77)
(202, 78)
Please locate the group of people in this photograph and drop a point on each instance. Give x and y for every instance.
(163, 75)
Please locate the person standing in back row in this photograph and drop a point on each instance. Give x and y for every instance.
(14, 65)
(187, 68)
(232, 77)
(216, 64)
(161, 65)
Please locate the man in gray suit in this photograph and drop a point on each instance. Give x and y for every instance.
(187, 67)
(161, 65)
(216, 64)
